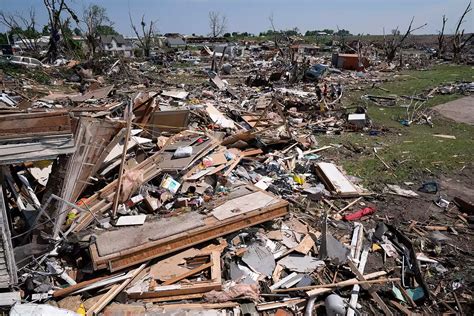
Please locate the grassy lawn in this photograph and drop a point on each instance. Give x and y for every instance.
(413, 153)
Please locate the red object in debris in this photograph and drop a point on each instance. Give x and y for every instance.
(359, 214)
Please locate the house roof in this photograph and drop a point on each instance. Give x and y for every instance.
(107, 39)
(173, 35)
(172, 41)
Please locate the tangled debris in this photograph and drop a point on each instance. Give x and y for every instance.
(142, 187)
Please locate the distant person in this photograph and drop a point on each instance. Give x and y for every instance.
(319, 93)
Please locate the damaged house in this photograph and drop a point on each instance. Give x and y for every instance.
(116, 45)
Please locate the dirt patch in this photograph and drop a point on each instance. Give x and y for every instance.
(461, 110)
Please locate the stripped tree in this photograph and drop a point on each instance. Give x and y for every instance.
(441, 45)
(393, 45)
(459, 39)
(22, 27)
(56, 9)
(145, 38)
(217, 24)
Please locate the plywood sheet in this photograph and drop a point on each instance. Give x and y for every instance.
(131, 220)
(113, 241)
(177, 94)
(118, 149)
(170, 267)
(244, 204)
(169, 121)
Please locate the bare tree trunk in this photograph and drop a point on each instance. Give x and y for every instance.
(217, 23)
(55, 8)
(394, 45)
(441, 38)
(27, 34)
(459, 42)
(147, 35)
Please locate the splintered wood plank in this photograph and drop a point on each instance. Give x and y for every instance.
(305, 245)
(188, 274)
(335, 179)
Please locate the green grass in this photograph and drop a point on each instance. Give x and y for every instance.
(412, 152)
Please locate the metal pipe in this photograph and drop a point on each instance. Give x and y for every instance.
(310, 305)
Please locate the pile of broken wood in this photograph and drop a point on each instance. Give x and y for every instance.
(167, 200)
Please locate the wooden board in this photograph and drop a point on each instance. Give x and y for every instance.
(162, 121)
(186, 288)
(335, 180)
(110, 242)
(34, 124)
(244, 204)
(212, 229)
(93, 94)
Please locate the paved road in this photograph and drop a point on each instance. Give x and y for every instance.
(460, 110)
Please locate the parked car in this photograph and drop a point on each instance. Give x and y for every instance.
(26, 61)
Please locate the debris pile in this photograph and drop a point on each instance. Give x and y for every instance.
(124, 192)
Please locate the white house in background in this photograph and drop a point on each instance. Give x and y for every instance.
(26, 43)
(116, 45)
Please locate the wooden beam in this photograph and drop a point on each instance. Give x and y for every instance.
(200, 306)
(80, 285)
(193, 288)
(374, 295)
(341, 284)
(122, 162)
(183, 289)
(274, 305)
(188, 274)
(174, 298)
(402, 308)
(112, 293)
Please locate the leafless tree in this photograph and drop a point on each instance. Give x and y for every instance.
(217, 24)
(278, 36)
(393, 45)
(341, 37)
(275, 33)
(23, 26)
(56, 8)
(94, 17)
(441, 45)
(145, 39)
(459, 40)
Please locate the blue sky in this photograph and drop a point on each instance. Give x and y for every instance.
(191, 16)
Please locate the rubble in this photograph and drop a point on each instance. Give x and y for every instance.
(127, 192)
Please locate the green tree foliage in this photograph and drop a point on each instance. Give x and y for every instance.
(3, 38)
(106, 30)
